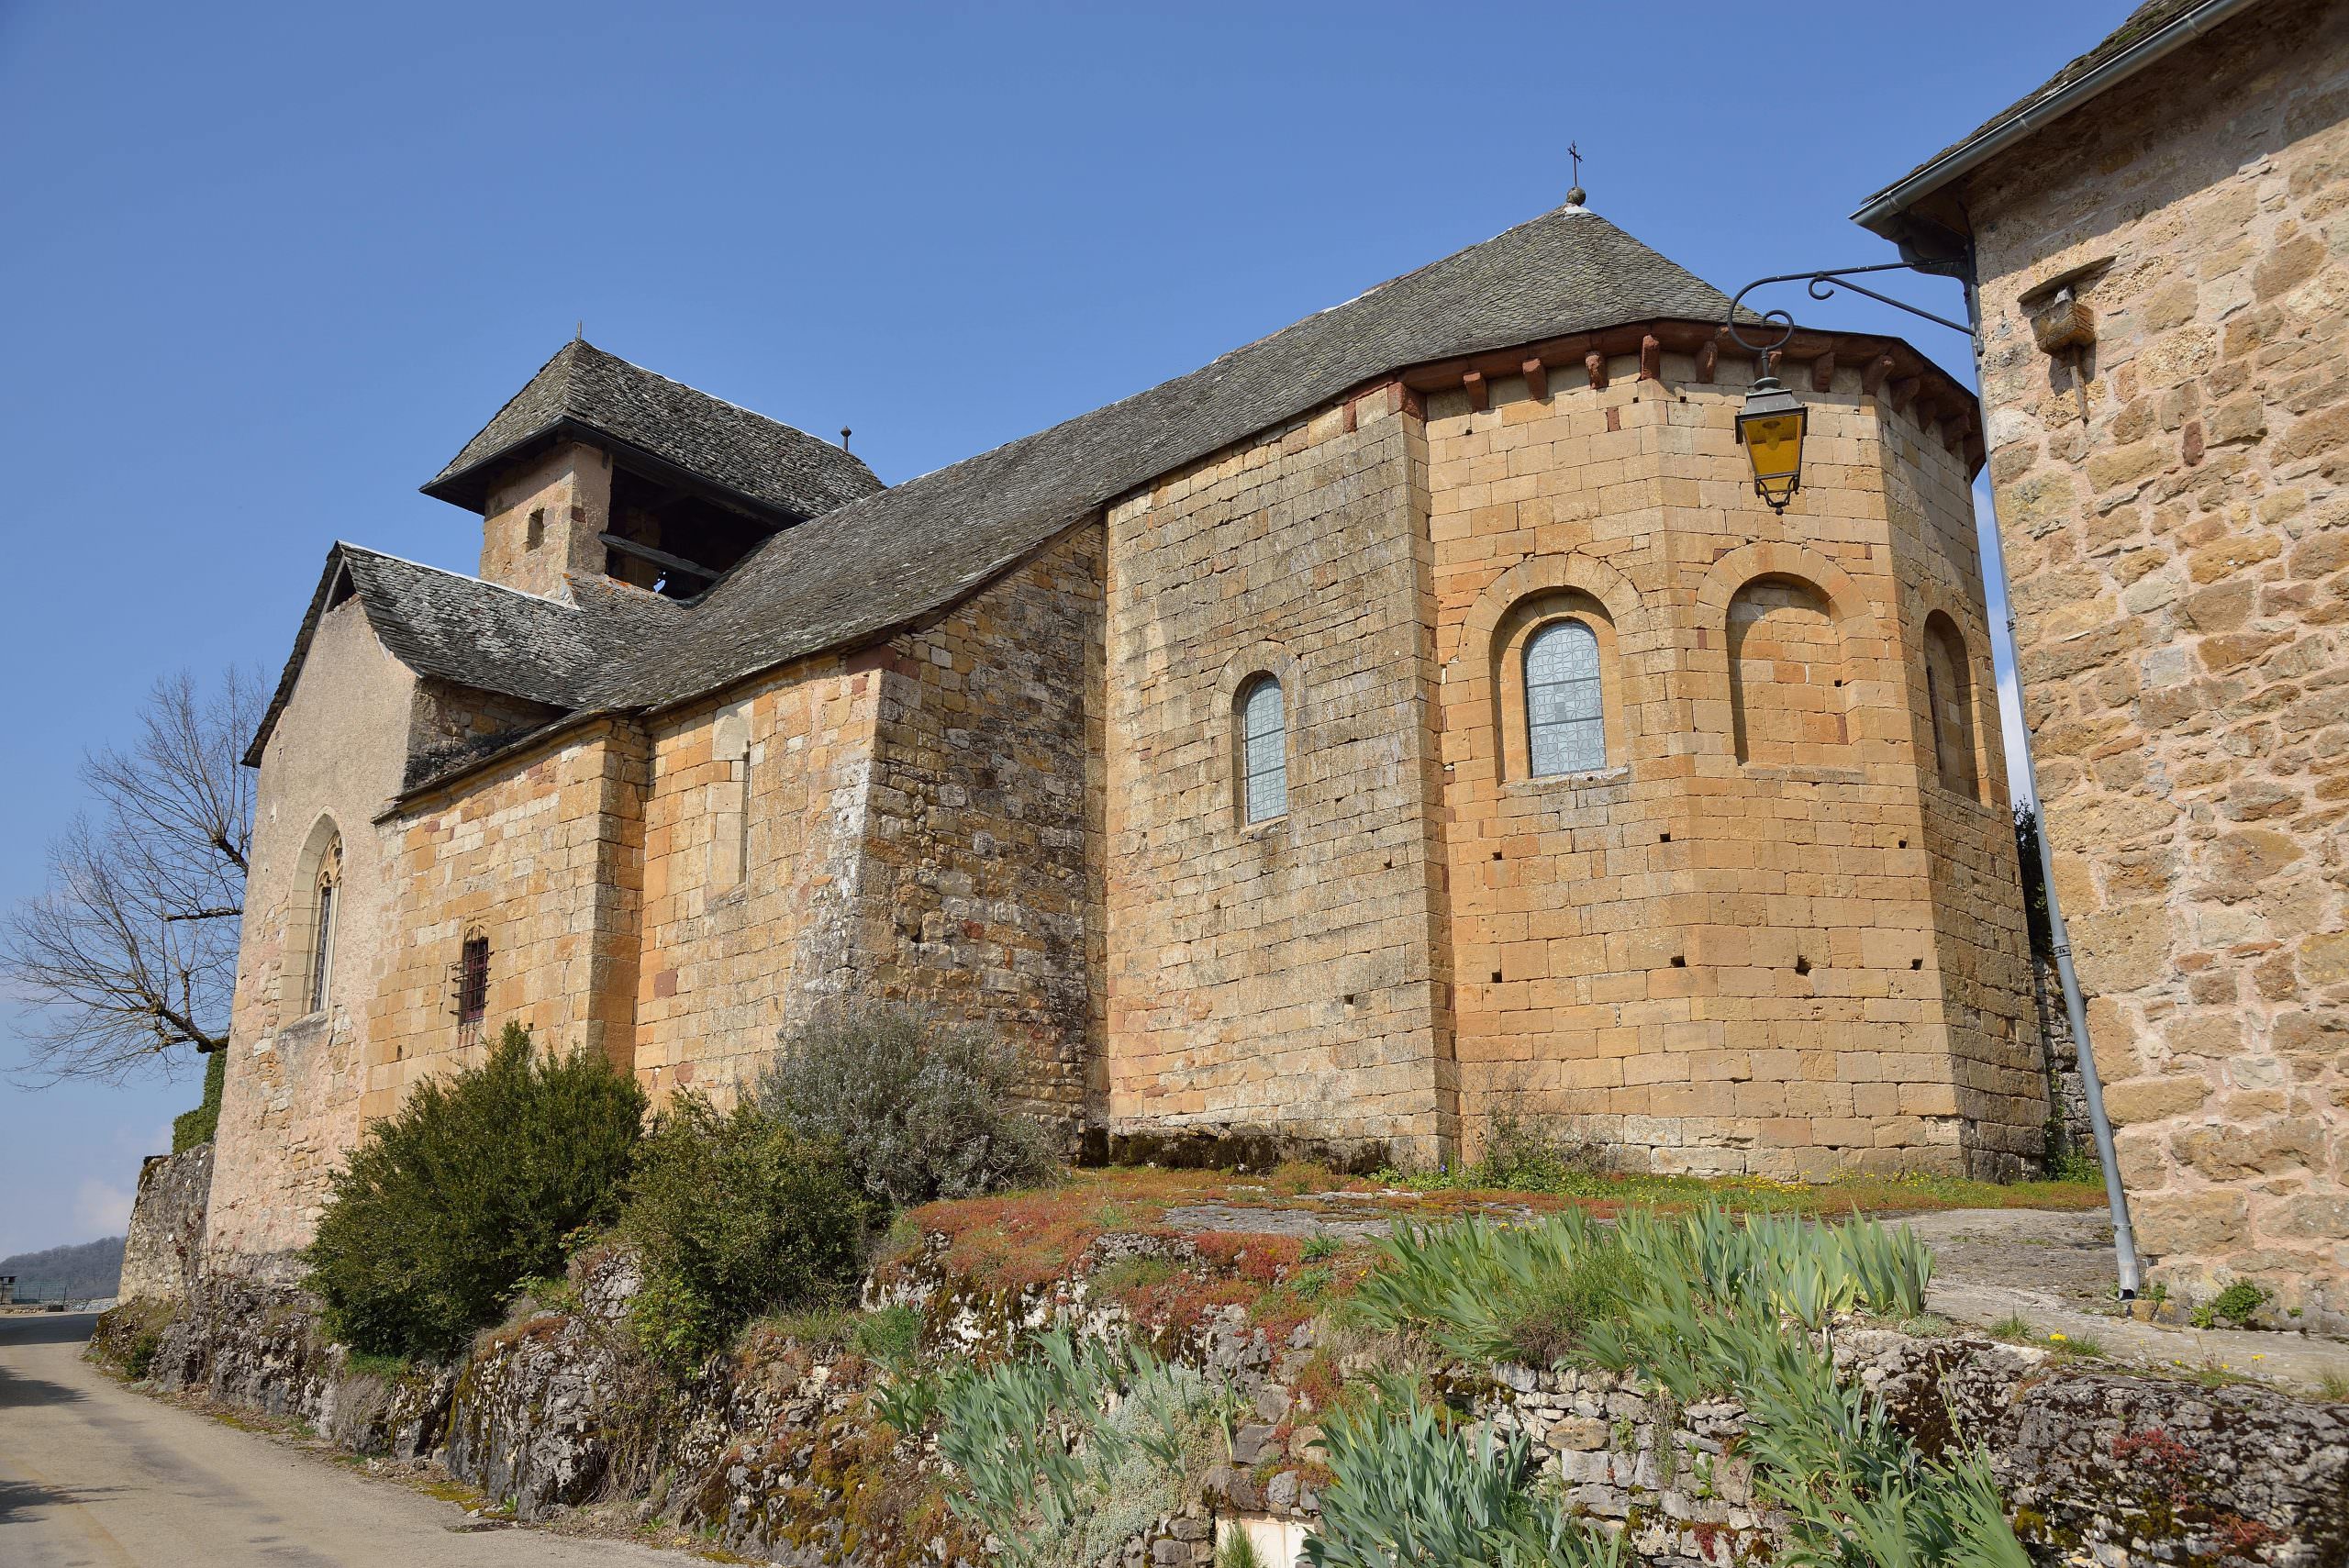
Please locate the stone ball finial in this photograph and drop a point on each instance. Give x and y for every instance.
(1577, 197)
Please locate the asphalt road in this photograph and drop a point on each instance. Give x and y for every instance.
(92, 1474)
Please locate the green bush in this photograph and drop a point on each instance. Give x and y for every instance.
(192, 1130)
(735, 1215)
(447, 1205)
(2233, 1305)
(917, 1110)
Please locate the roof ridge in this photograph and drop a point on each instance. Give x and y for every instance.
(885, 559)
(342, 544)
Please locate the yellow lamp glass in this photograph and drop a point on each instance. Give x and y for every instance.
(1772, 427)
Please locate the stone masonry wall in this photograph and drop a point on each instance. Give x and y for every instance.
(1763, 936)
(1288, 973)
(545, 522)
(290, 1097)
(732, 955)
(542, 857)
(2176, 533)
(164, 1251)
(979, 893)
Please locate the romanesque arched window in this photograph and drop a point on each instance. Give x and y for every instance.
(1565, 713)
(325, 891)
(1949, 706)
(1264, 751)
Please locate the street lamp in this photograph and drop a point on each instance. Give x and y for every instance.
(1773, 423)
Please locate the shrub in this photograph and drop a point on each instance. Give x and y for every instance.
(2233, 1305)
(916, 1109)
(1533, 1153)
(735, 1215)
(447, 1205)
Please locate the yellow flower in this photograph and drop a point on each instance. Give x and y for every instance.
(2055, 1336)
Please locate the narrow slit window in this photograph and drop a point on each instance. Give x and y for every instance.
(473, 981)
(322, 930)
(1565, 720)
(1263, 750)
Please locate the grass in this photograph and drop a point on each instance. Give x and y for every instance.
(1023, 1240)
(2015, 1330)
(1910, 1193)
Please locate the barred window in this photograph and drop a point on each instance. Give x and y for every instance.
(473, 981)
(1565, 722)
(1263, 752)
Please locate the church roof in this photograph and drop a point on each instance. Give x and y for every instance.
(886, 560)
(475, 633)
(750, 456)
(878, 561)
(2144, 36)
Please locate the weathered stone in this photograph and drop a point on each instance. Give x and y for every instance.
(2204, 198)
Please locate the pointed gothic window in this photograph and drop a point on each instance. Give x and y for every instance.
(1566, 721)
(329, 884)
(1263, 752)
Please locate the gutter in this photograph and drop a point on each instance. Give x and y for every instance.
(1969, 156)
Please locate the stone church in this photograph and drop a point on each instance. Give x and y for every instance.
(1412, 713)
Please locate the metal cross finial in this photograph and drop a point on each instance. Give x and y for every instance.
(1575, 196)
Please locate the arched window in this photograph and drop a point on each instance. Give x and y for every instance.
(1263, 752)
(329, 884)
(1949, 706)
(1565, 716)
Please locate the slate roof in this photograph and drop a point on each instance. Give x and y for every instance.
(882, 562)
(757, 459)
(2139, 25)
(888, 558)
(477, 634)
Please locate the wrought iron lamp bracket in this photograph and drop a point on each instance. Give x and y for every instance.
(1823, 284)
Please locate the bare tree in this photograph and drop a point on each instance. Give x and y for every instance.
(129, 954)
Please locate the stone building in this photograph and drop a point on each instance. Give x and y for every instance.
(1410, 713)
(2157, 237)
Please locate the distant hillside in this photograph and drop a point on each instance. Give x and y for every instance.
(91, 1269)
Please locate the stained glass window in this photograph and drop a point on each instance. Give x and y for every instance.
(1565, 722)
(1264, 748)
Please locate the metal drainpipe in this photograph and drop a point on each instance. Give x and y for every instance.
(2124, 1236)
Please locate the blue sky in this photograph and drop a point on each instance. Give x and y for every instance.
(267, 267)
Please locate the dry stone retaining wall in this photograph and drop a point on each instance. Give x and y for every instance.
(772, 1451)
(164, 1251)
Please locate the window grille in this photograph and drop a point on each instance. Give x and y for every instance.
(472, 985)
